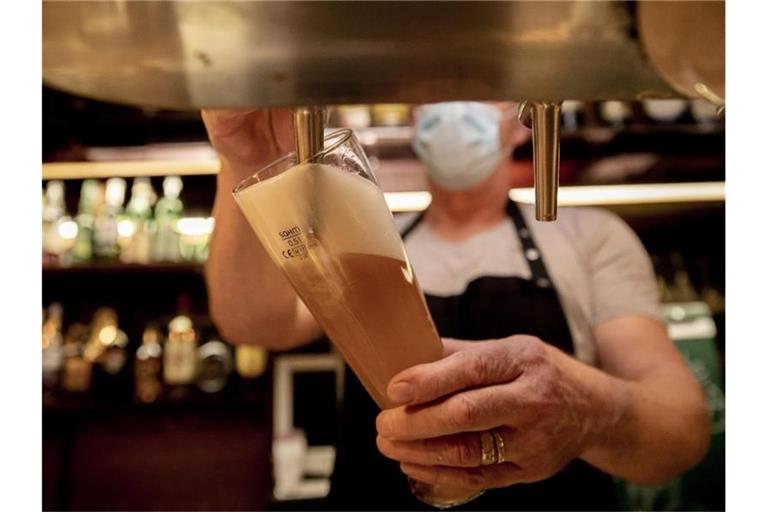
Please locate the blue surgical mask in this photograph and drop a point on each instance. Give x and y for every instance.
(459, 143)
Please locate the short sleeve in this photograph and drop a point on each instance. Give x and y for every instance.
(621, 274)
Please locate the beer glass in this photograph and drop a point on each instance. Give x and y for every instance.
(326, 225)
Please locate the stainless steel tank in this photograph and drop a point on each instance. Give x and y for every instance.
(193, 54)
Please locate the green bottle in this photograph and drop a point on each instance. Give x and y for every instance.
(168, 210)
(136, 236)
(105, 235)
(82, 250)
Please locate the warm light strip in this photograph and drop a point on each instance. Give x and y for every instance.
(128, 169)
(408, 201)
(593, 195)
(653, 193)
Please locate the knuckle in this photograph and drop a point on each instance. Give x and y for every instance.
(474, 479)
(463, 412)
(464, 453)
(478, 370)
(385, 424)
(384, 446)
(534, 350)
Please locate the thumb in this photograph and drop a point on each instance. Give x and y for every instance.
(451, 346)
(481, 364)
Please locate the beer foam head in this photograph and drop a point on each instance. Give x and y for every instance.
(344, 211)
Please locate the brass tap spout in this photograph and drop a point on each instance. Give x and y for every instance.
(543, 118)
(308, 131)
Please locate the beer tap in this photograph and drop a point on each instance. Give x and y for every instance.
(308, 131)
(543, 118)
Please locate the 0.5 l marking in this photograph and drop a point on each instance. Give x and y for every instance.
(296, 245)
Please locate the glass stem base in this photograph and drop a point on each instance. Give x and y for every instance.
(442, 496)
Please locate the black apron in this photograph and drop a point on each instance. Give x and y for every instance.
(490, 307)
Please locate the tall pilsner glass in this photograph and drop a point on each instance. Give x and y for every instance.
(326, 225)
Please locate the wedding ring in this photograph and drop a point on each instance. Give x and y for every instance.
(498, 444)
(488, 450)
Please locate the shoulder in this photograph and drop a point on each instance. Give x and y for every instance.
(594, 234)
(583, 225)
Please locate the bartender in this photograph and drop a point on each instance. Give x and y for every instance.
(555, 349)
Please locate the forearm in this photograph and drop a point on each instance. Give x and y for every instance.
(250, 300)
(646, 431)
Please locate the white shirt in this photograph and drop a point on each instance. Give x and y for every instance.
(597, 264)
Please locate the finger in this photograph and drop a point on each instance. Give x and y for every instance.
(224, 122)
(484, 477)
(485, 363)
(248, 139)
(469, 411)
(281, 124)
(451, 346)
(459, 450)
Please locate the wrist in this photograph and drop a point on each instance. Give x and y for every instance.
(612, 408)
(602, 404)
(231, 173)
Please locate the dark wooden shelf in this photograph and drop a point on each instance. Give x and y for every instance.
(63, 404)
(97, 267)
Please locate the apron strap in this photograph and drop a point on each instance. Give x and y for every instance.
(410, 227)
(539, 274)
(531, 252)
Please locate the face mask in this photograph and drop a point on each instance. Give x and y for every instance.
(459, 143)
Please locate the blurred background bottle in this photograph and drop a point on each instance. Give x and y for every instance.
(90, 196)
(215, 365)
(77, 369)
(105, 244)
(180, 352)
(54, 210)
(53, 350)
(137, 228)
(148, 366)
(391, 114)
(168, 210)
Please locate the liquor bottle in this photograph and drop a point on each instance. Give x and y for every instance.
(138, 225)
(390, 114)
(90, 197)
(194, 237)
(53, 210)
(168, 211)
(105, 236)
(77, 368)
(148, 366)
(250, 364)
(215, 363)
(682, 288)
(354, 116)
(53, 350)
(107, 349)
(180, 353)
(250, 361)
(115, 356)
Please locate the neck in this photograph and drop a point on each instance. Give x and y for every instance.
(456, 215)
